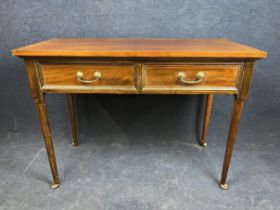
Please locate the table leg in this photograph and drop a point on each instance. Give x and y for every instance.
(235, 118)
(207, 115)
(71, 108)
(43, 117)
(40, 104)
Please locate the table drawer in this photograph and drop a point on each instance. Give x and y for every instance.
(191, 77)
(109, 77)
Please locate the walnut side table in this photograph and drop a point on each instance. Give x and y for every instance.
(139, 66)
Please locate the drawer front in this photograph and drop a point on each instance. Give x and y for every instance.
(107, 77)
(218, 78)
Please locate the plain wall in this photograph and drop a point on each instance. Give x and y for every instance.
(256, 23)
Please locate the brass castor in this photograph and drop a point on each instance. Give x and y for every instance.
(204, 144)
(54, 185)
(224, 186)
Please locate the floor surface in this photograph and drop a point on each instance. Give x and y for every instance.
(148, 164)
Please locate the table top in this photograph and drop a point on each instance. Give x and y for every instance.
(136, 47)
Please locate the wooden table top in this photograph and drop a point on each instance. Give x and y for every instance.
(127, 47)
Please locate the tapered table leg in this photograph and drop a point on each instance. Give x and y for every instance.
(40, 104)
(235, 118)
(207, 115)
(43, 117)
(71, 108)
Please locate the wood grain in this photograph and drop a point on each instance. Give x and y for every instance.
(112, 76)
(234, 124)
(180, 48)
(164, 77)
(41, 107)
(246, 80)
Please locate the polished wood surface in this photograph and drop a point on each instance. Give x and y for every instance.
(246, 78)
(41, 107)
(234, 123)
(113, 76)
(207, 115)
(72, 114)
(139, 66)
(165, 77)
(210, 48)
(140, 77)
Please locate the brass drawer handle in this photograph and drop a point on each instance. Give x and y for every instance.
(181, 76)
(80, 77)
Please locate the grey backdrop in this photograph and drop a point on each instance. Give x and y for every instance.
(250, 22)
(133, 146)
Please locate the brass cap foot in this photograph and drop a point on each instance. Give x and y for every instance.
(224, 186)
(74, 144)
(204, 144)
(54, 185)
